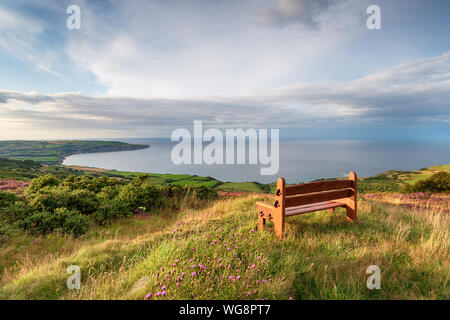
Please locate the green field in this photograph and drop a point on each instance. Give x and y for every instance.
(390, 181)
(444, 167)
(53, 152)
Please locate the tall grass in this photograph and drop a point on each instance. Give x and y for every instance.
(323, 256)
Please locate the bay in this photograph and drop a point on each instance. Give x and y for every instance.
(300, 159)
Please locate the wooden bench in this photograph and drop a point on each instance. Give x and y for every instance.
(308, 197)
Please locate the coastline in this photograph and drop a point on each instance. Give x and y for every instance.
(138, 147)
(53, 152)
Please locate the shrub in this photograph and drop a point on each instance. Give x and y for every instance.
(7, 198)
(74, 223)
(46, 180)
(108, 192)
(62, 219)
(18, 211)
(93, 184)
(204, 193)
(112, 209)
(142, 195)
(84, 201)
(50, 198)
(438, 182)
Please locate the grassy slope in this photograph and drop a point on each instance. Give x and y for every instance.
(53, 152)
(122, 261)
(27, 170)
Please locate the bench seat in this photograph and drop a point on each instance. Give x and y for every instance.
(306, 208)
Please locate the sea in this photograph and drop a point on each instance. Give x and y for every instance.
(300, 160)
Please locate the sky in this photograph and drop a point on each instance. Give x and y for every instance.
(145, 68)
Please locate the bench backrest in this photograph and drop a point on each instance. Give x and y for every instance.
(314, 192)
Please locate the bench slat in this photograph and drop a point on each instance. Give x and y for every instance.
(318, 186)
(292, 211)
(317, 197)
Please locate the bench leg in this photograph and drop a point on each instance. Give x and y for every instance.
(278, 225)
(331, 210)
(351, 212)
(261, 222)
(351, 202)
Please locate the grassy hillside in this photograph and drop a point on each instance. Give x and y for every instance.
(323, 257)
(25, 170)
(53, 152)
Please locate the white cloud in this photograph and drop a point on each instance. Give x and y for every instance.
(158, 49)
(416, 92)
